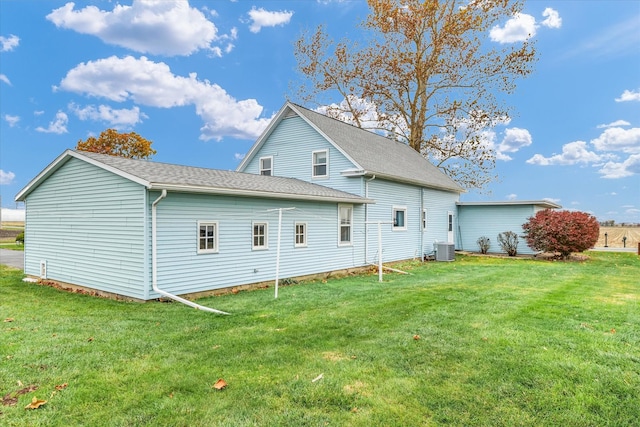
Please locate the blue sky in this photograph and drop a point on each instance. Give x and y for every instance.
(201, 79)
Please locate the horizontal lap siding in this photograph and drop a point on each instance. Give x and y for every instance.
(182, 270)
(438, 203)
(489, 221)
(291, 144)
(88, 225)
(396, 244)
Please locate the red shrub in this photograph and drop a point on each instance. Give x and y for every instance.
(561, 231)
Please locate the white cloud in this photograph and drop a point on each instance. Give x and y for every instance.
(11, 120)
(7, 44)
(123, 118)
(59, 125)
(514, 139)
(239, 156)
(617, 123)
(613, 170)
(572, 153)
(512, 196)
(552, 20)
(5, 79)
(13, 214)
(263, 18)
(147, 26)
(519, 28)
(523, 26)
(6, 178)
(153, 84)
(629, 95)
(618, 139)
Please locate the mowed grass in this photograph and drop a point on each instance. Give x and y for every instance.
(480, 341)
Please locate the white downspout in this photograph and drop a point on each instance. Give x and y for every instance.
(154, 263)
(366, 219)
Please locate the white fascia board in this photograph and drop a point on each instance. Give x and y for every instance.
(255, 193)
(356, 173)
(61, 160)
(543, 203)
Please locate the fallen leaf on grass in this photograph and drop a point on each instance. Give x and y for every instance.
(35, 403)
(613, 330)
(416, 337)
(11, 399)
(61, 386)
(90, 339)
(9, 319)
(220, 384)
(318, 378)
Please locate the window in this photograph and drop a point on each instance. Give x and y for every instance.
(301, 234)
(424, 219)
(260, 240)
(450, 221)
(320, 164)
(399, 218)
(207, 237)
(266, 165)
(345, 219)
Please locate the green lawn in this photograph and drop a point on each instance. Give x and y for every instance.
(502, 342)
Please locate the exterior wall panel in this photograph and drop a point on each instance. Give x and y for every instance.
(182, 270)
(88, 225)
(489, 221)
(291, 144)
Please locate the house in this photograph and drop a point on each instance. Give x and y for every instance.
(313, 195)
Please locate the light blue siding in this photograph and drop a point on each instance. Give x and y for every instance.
(396, 244)
(88, 225)
(489, 221)
(291, 144)
(438, 204)
(182, 270)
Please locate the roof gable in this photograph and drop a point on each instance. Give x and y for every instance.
(370, 153)
(154, 175)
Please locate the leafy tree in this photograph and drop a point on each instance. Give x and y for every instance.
(561, 231)
(129, 145)
(426, 76)
(509, 242)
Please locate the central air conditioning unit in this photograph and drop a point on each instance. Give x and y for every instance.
(445, 252)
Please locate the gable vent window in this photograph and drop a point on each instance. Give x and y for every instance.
(266, 166)
(320, 164)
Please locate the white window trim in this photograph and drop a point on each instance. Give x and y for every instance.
(393, 216)
(424, 219)
(213, 250)
(350, 242)
(266, 236)
(260, 164)
(295, 235)
(313, 164)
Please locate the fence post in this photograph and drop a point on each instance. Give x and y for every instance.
(638, 248)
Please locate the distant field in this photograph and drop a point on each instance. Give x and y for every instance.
(10, 230)
(615, 235)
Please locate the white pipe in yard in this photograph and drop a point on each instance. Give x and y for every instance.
(154, 263)
(278, 246)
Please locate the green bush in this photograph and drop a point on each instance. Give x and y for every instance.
(20, 239)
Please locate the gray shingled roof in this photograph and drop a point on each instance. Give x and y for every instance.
(378, 155)
(173, 177)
